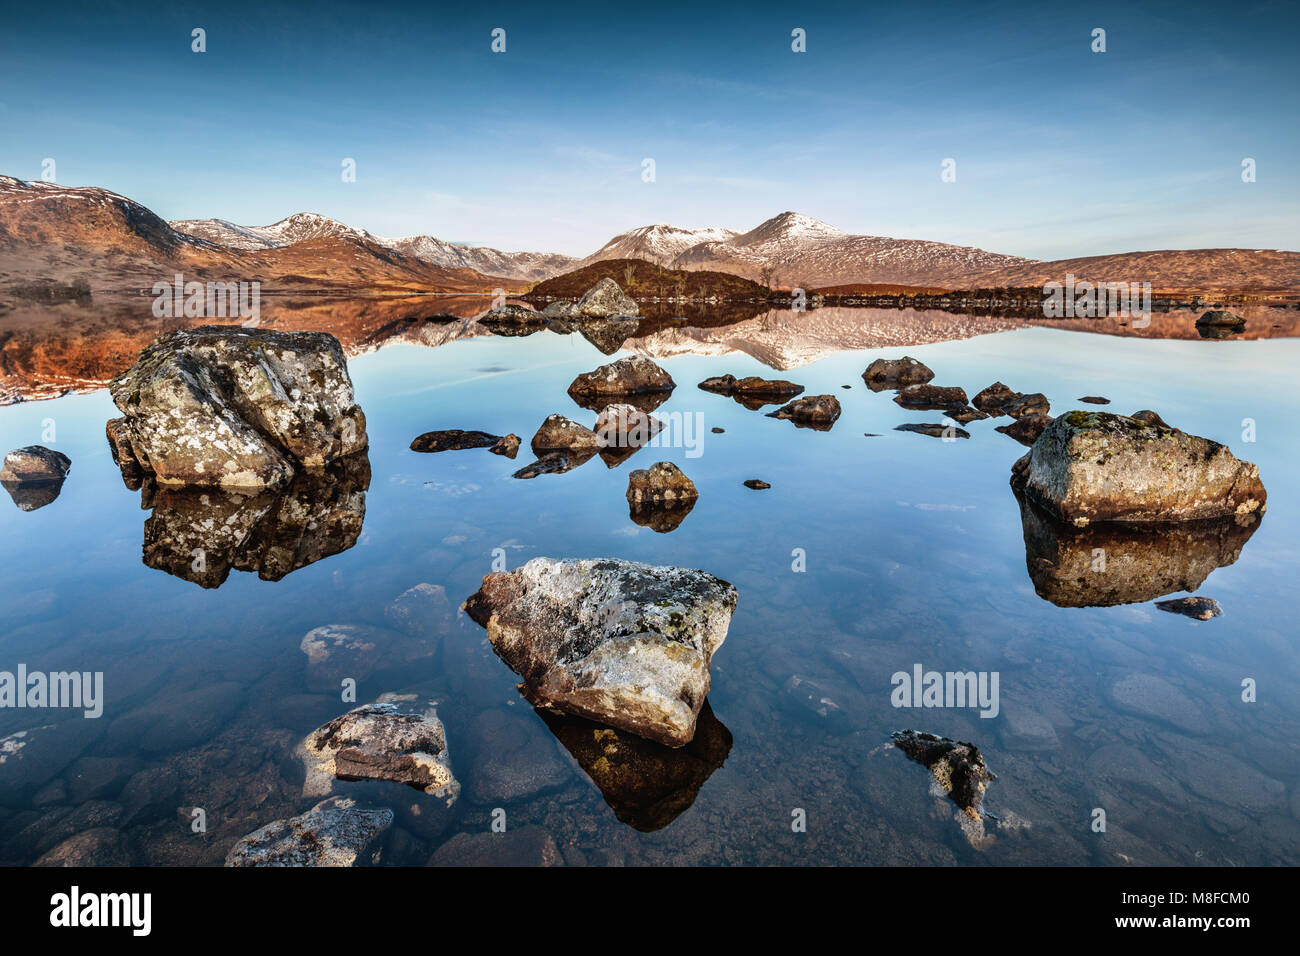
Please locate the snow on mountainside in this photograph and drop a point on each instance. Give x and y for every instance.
(805, 252)
(660, 244)
(304, 226)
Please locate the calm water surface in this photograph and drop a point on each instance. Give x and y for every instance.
(914, 552)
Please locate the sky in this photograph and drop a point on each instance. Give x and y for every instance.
(1059, 151)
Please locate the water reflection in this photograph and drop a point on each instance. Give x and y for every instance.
(646, 784)
(30, 495)
(1105, 565)
(201, 534)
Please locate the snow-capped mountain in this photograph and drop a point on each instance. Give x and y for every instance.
(660, 244)
(532, 266)
(806, 252)
(299, 227)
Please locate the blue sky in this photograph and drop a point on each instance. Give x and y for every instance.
(1060, 151)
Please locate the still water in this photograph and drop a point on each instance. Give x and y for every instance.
(868, 556)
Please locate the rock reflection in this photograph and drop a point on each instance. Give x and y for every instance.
(646, 784)
(30, 495)
(1106, 565)
(201, 534)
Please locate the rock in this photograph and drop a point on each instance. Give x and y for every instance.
(35, 755)
(1153, 697)
(92, 778)
(752, 392)
(1200, 608)
(453, 439)
(558, 308)
(810, 411)
(1220, 319)
(933, 430)
(625, 426)
(992, 399)
(515, 312)
(606, 297)
(102, 846)
(31, 495)
(1151, 418)
(963, 414)
(558, 433)
(335, 832)
(507, 445)
(958, 767)
(1108, 564)
(1132, 769)
(338, 651)
(1095, 400)
(757, 484)
(515, 759)
(201, 534)
(660, 497)
(236, 408)
(832, 705)
(393, 739)
(627, 376)
(552, 463)
(931, 396)
(35, 463)
(1026, 430)
(1096, 466)
(892, 373)
(646, 784)
(422, 611)
(1026, 405)
(1027, 730)
(526, 846)
(619, 642)
(154, 791)
(716, 430)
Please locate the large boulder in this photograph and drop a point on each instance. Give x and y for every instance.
(627, 376)
(558, 433)
(895, 373)
(606, 297)
(1097, 466)
(619, 642)
(335, 832)
(235, 408)
(35, 463)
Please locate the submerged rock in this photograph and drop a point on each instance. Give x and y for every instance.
(507, 445)
(931, 396)
(933, 429)
(453, 439)
(558, 433)
(892, 373)
(516, 847)
(391, 739)
(338, 651)
(606, 297)
(958, 767)
(660, 497)
(619, 642)
(235, 408)
(1200, 608)
(1096, 466)
(1107, 564)
(35, 463)
(627, 376)
(646, 784)
(1026, 430)
(810, 411)
(335, 832)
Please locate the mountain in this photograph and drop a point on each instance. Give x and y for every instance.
(807, 253)
(304, 226)
(659, 244)
(1168, 270)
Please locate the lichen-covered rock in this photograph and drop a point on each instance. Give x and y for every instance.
(558, 433)
(661, 496)
(626, 426)
(992, 399)
(1097, 466)
(619, 642)
(392, 739)
(507, 445)
(35, 463)
(606, 297)
(1023, 406)
(810, 411)
(236, 408)
(335, 832)
(930, 396)
(957, 767)
(893, 373)
(627, 376)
